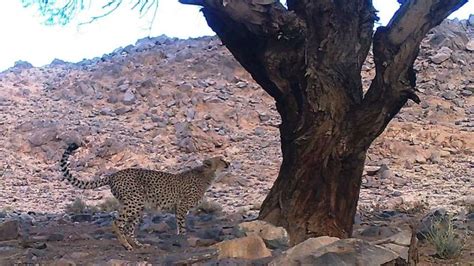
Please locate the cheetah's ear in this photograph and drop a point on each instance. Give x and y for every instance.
(207, 163)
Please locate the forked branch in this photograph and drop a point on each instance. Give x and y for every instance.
(395, 49)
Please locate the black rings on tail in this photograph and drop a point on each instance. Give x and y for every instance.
(64, 164)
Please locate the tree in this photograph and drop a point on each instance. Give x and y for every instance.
(308, 56)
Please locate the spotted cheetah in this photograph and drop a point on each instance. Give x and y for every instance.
(134, 188)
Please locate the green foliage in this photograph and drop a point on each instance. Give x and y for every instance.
(442, 236)
(62, 12)
(56, 12)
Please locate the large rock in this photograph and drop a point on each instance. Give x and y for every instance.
(441, 55)
(470, 21)
(273, 236)
(43, 136)
(192, 139)
(305, 248)
(451, 34)
(470, 45)
(338, 252)
(249, 247)
(9, 230)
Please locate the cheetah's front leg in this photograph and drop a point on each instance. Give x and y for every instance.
(181, 213)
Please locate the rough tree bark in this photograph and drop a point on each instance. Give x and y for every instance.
(309, 57)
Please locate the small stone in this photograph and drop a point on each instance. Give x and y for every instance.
(105, 111)
(448, 95)
(259, 131)
(78, 255)
(263, 117)
(386, 174)
(470, 46)
(466, 93)
(470, 20)
(420, 159)
(122, 110)
(241, 84)
(129, 98)
(424, 105)
(112, 98)
(186, 87)
(435, 157)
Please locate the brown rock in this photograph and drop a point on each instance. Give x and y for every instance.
(273, 236)
(249, 247)
(42, 136)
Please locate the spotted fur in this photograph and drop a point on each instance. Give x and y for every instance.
(135, 187)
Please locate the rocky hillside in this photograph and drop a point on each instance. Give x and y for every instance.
(167, 104)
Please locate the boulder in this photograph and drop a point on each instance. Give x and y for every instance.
(441, 55)
(449, 33)
(273, 236)
(249, 247)
(43, 136)
(331, 251)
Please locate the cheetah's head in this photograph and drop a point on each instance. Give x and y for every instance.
(215, 165)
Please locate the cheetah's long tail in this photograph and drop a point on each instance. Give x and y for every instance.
(64, 164)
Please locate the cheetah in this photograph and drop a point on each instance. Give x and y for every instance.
(136, 187)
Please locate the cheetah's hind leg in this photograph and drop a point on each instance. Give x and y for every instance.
(135, 212)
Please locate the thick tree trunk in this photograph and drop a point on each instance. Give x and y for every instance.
(309, 57)
(317, 189)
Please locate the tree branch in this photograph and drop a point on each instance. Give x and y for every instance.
(262, 36)
(395, 49)
(262, 17)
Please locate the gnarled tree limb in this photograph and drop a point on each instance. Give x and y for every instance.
(261, 17)
(261, 34)
(395, 49)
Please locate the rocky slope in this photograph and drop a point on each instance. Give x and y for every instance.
(167, 103)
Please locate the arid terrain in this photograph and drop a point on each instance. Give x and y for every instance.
(168, 104)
